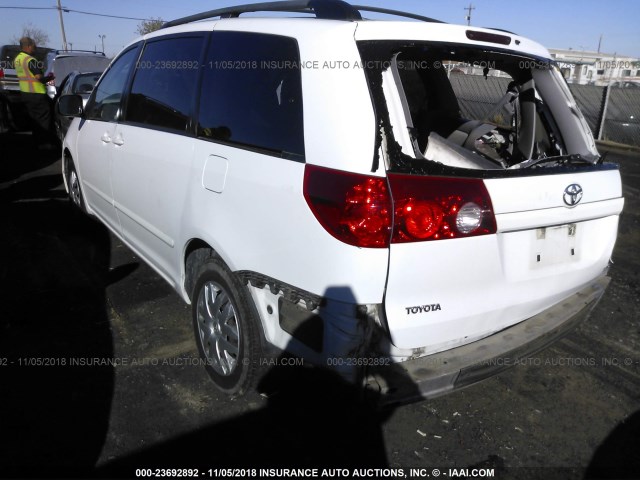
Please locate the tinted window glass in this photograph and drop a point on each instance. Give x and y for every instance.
(251, 92)
(108, 95)
(165, 82)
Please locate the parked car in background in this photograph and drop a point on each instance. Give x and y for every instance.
(61, 63)
(76, 83)
(13, 115)
(310, 185)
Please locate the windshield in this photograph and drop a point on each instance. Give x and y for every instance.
(471, 107)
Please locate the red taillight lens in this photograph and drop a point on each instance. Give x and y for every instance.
(356, 209)
(1, 73)
(421, 219)
(436, 208)
(366, 211)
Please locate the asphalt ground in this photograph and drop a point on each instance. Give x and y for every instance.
(99, 374)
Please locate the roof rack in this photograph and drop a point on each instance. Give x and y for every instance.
(398, 13)
(325, 9)
(61, 52)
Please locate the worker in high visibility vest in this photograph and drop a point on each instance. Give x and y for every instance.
(34, 93)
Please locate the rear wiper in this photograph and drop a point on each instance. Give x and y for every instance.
(574, 159)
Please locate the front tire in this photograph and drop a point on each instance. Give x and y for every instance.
(226, 329)
(73, 185)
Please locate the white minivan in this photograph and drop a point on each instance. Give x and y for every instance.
(325, 185)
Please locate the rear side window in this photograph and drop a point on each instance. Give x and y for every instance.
(165, 83)
(252, 94)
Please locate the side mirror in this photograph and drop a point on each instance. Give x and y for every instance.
(70, 105)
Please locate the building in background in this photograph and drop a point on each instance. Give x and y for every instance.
(597, 68)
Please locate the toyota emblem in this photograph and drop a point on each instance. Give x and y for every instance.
(572, 195)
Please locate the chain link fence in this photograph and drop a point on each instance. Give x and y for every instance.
(621, 115)
(613, 113)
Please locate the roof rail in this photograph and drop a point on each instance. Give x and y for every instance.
(326, 9)
(69, 50)
(398, 13)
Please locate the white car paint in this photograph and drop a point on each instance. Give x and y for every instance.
(160, 191)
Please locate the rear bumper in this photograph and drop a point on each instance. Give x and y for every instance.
(434, 375)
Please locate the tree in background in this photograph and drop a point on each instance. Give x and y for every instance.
(29, 30)
(148, 26)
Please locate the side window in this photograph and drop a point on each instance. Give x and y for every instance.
(252, 93)
(165, 83)
(108, 95)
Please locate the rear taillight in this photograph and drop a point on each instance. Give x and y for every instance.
(436, 208)
(356, 209)
(1, 73)
(368, 211)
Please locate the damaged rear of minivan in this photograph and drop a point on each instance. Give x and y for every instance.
(503, 215)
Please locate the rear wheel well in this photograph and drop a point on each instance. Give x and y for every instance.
(196, 254)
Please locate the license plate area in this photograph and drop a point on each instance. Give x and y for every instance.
(554, 245)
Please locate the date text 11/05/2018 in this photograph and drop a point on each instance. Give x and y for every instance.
(300, 473)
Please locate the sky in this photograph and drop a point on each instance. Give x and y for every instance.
(576, 24)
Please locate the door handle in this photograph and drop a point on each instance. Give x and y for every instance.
(105, 138)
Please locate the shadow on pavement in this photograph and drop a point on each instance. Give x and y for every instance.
(617, 457)
(316, 421)
(19, 156)
(312, 418)
(54, 267)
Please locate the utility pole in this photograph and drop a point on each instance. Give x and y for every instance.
(102, 38)
(64, 37)
(468, 15)
(600, 42)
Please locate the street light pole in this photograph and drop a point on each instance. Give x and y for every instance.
(64, 36)
(101, 37)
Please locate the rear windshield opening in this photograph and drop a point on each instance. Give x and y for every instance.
(469, 107)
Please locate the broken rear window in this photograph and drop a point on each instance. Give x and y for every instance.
(470, 107)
